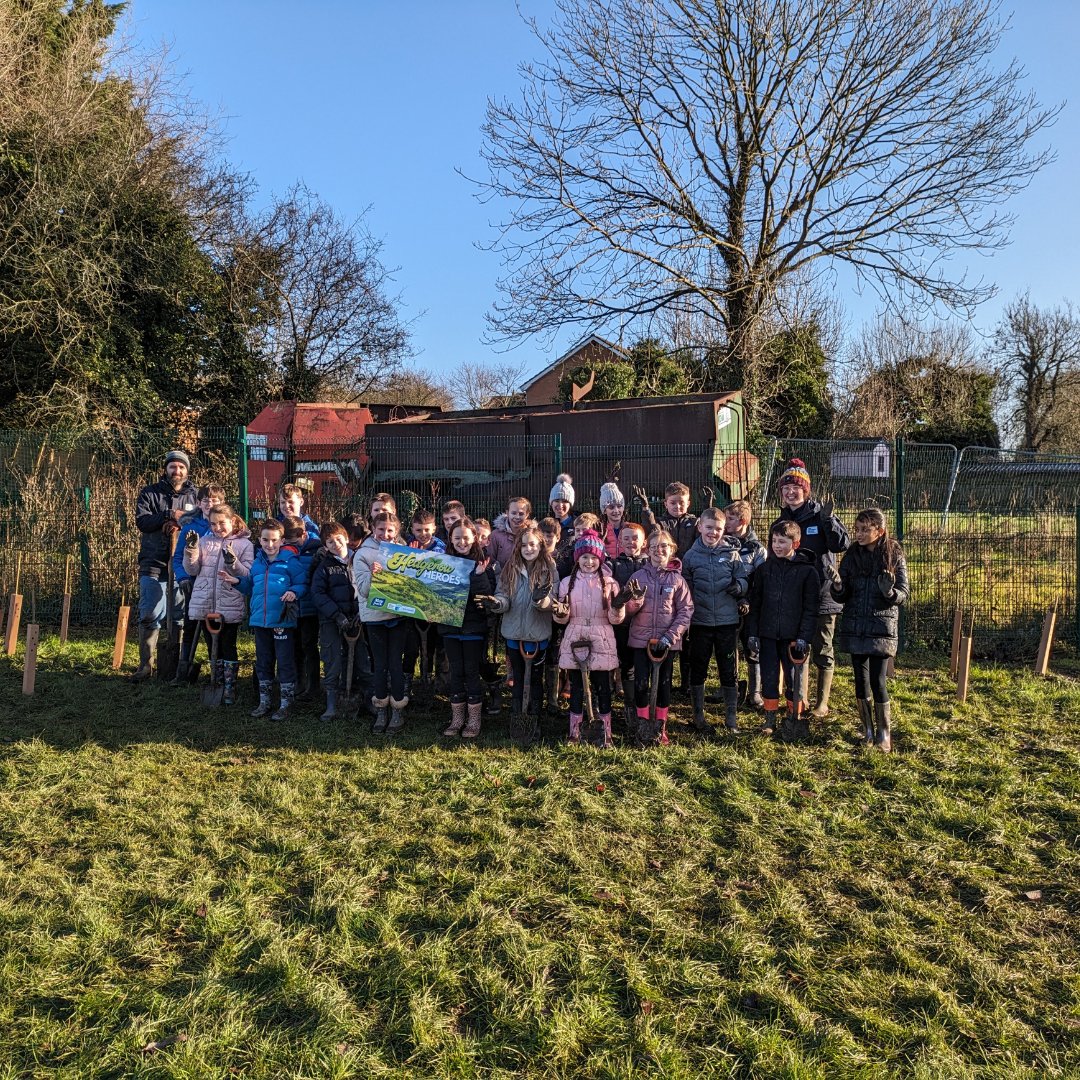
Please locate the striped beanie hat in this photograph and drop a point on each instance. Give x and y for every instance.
(589, 543)
(796, 473)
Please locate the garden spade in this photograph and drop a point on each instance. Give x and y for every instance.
(591, 730)
(352, 635)
(65, 609)
(168, 651)
(524, 728)
(652, 730)
(212, 692)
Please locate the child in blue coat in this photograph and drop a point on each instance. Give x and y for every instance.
(276, 581)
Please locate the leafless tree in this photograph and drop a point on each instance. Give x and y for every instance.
(487, 386)
(330, 323)
(699, 153)
(410, 386)
(1038, 354)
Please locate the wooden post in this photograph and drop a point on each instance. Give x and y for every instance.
(890, 668)
(14, 616)
(65, 610)
(122, 617)
(963, 668)
(957, 633)
(1046, 642)
(30, 661)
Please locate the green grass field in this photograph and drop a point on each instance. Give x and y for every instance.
(198, 895)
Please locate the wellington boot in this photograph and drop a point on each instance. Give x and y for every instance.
(574, 734)
(263, 708)
(754, 700)
(866, 715)
(604, 742)
(494, 690)
(229, 671)
(701, 721)
(330, 712)
(382, 716)
(148, 639)
(824, 689)
(473, 723)
(551, 683)
(457, 719)
(183, 670)
(789, 724)
(286, 696)
(397, 716)
(883, 715)
(731, 709)
(768, 726)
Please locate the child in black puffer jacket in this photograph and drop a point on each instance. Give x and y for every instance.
(783, 609)
(872, 584)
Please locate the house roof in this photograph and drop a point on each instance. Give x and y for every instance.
(555, 364)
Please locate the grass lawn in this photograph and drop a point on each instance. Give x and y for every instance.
(188, 894)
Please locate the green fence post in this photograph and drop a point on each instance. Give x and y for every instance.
(557, 450)
(242, 470)
(898, 505)
(1076, 580)
(84, 545)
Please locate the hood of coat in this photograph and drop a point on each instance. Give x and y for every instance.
(726, 545)
(674, 566)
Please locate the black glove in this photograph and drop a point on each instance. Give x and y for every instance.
(639, 494)
(830, 571)
(744, 608)
(486, 603)
(540, 592)
(290, 611)
(708, 495)
(886, 582)
(753, 649)
(561, 608)
(191, 541)
(799, 650)
(735, 588)
(826, 512)
(342, 622)
(663, 643)
(622, 598)
(228, 556)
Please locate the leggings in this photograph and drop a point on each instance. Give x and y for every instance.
(706, 641)
(600, 681)
(387, 641)
(870, 677)
(464, 657)
(643, 679)
(536, 683)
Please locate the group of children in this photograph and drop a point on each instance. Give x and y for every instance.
(598, 603)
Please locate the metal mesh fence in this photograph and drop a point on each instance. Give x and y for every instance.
(993, 532)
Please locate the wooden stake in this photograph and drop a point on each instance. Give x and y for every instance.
(890, 668)
(65, 610)
(30, 663)
(14, 615)
(963, 668)
(122, 617)
(1046, 642)
(957, 633)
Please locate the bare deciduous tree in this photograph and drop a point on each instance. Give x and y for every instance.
(410, 386)
(1038, 354)
(487, 386)
(698, 154)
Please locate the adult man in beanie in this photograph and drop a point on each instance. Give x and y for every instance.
(158, 511)
(825, 537)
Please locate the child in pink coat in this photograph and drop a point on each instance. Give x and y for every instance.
(584, 607)
(659, 600)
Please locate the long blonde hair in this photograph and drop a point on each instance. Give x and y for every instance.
(540, 571)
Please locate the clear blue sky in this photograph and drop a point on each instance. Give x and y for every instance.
(377, 104)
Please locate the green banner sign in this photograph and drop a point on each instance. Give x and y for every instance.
(425, 585)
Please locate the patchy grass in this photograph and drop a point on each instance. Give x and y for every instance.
(188, 894)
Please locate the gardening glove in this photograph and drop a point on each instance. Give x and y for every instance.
(229, 556)
(664, 643)
(486, 603)
(290, 611)
(753, 649)
(561, 608)
(639, 494)
(826, 512)
(541, 592)
(622, 597)
(170, 525)
(799, 649)
(744, 608)
(191, 541)
(886, 582)
(708, 496)
(342, 622)
(185, 588)
(831, 572)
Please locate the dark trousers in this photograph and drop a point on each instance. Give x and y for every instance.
(334, 650)
(536, 680)
(774, 657)
(870, 677)
(306, 648)
(465, 657)
(622, 647)
(274, 646)
(721, 641)
(822, 652)
(600, 681)
(387, 642)
(643, 679)
(226, 646)
(189, 639)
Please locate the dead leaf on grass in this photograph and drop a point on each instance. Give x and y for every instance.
(200, 911)
(647, 1008)
(164, 1044)
(1032, 895)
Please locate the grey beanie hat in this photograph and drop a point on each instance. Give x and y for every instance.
(563, 489)
(610, 495)
(178, 455)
